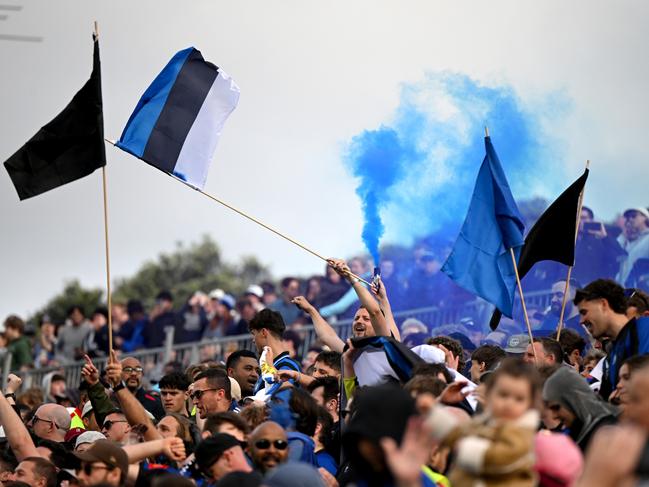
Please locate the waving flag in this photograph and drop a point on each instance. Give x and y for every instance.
(177, 123)
(480, 261)
(553, 235)
(68, 148)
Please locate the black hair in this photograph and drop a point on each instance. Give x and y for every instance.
(551, 347)
(234, 357)
(570, 341)
(491, 355)
(433, 370)
(637, 362)
(326, 422)
(589, 211)
(330, 358)
(330, 385)
(73, 308)
(286, 282)
(606, 289)
(305, 409)
(269, 319)
(215, 420)
(164, 296)
(453, 345)
(218, 379)
(175, 380)
(639, 300)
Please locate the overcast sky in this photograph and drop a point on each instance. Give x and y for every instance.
(312, 75)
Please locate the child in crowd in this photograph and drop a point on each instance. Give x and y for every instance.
(495, 448)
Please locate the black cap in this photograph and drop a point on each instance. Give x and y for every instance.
(210, 449)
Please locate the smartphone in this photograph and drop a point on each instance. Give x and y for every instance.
(593, 227)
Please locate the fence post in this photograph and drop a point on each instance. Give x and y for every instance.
(169, 343)
(5, 369)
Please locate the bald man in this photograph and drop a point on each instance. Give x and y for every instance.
(132, 373)
(51, 422)
(268, 446)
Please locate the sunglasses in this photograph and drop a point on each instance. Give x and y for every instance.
(130, 370)
(36, 419)
(196, 395)
(108, 424)
(265, 444)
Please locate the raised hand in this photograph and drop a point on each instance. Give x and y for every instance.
(89, 371)
(114, 369)
(341, 267)
(452, 362)
(453, 393)
(13, 383)
(405, 461)
(302, 303)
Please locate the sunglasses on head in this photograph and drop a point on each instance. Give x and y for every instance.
(265, 444)
(108, 424)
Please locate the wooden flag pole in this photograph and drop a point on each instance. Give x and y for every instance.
(109, 298)
(258, 222)
(520, 293)
(566, 289)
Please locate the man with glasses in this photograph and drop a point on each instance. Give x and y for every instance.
(210, 392)
(634, 240)
(268, 446)
(602, 306)
(51, 422)
(220, 455)
(132, 373)
(116, 427)
(103, 463)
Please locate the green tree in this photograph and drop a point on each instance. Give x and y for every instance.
(73, 294)
(186, 270)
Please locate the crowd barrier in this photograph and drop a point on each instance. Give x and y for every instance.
(153, 360)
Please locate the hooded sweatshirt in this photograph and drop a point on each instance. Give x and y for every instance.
(570, 390)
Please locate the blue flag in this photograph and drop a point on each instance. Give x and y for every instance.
(177, 123)
(480, 261)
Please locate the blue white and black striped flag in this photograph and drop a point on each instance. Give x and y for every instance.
(177, 123)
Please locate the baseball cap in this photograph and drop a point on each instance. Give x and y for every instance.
(228, 301)
(107, 452)
(256, 290)
(87, 408)
(639, 209)
(210, 449)
(517, 344)
(235, 389)
(88, 437)
(217, 293)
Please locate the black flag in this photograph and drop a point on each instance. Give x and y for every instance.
(68, 148)
(553, 235)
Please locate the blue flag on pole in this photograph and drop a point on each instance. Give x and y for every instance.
(177, 123)
(480, 261)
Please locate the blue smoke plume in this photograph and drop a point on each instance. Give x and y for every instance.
(416, 173)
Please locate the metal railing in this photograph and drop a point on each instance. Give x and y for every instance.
(153, 360)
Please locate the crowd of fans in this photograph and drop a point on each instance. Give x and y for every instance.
(395, 404)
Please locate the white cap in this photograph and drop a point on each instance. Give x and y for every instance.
(639, 209)
(87, 407)
(256, 290)
(217, 294)
(89, 437)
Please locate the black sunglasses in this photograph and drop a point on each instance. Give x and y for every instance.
(36, 419)
(196, 395)
(265, 444)
(108, 424)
